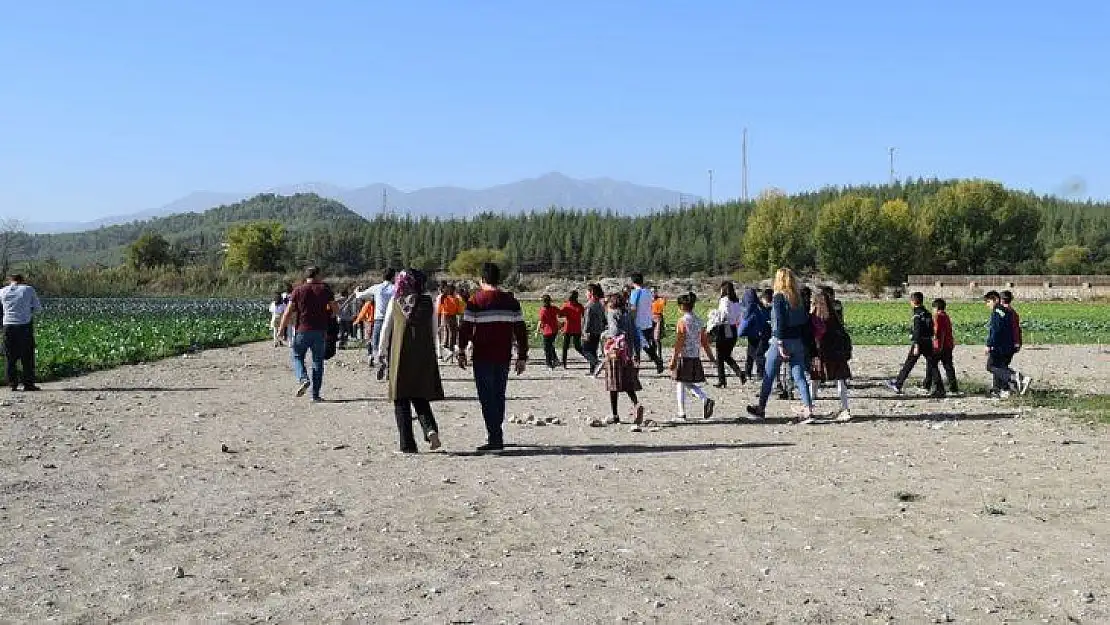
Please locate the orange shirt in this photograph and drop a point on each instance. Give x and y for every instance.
(448, 306)
(366, 314)
(461, 303)
(657, 307)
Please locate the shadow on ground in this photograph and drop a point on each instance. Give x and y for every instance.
(612, 449)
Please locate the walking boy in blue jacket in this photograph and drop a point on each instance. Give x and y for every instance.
(1001, 346)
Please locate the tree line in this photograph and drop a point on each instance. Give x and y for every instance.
(926, 226)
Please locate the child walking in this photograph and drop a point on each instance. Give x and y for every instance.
(277, 309)
(686, 368)
(944, 343)
(549, 329)
(921, 345)
(621, 374)
(834, 350)
(571, 313)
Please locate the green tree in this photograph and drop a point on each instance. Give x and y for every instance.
(257, 246)
(779, 234)
(469, 262)
(977, 226)
(149, 250)
(874, 280)
(1069, 259)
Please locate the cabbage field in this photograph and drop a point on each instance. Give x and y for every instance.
(80, 335)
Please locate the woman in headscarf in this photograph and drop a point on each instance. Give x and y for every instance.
(408, 344)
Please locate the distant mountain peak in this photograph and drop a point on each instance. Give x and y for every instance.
(550, 189)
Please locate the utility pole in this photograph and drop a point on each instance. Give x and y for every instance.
(711, 187)
(385, 201)
(891, 150)
(744, 170)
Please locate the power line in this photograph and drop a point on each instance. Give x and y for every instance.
(744, 168)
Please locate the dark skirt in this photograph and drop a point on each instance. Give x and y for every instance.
(690, 371)
(825, 370)
(621, 376)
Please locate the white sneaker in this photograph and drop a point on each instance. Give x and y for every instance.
(1024, 382)
(844, 416)
(1004, 394)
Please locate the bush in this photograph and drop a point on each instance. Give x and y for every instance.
(874, 280)
(468, 263)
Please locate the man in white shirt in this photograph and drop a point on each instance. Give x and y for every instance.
(20, 303)
(382, 294)
(639, 307)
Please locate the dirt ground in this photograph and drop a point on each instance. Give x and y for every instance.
(277, 510)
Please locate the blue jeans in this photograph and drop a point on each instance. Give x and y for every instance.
(303, 342)
(372, 347)
(492, 379)
(797, 353)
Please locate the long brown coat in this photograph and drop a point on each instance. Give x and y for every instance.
(413, 367)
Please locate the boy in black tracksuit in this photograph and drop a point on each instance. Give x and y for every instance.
(921, 338)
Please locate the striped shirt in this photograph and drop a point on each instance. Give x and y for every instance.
(493, 321)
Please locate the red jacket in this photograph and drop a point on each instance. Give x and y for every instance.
(1015, 323)
(572, 312)
(549, 320)
(943, 338)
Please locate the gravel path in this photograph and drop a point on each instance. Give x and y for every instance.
(198, 490)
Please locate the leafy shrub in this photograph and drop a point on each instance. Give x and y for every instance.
(874, 280)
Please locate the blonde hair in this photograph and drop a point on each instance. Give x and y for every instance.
(787, 284)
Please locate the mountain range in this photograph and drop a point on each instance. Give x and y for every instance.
(553, 189)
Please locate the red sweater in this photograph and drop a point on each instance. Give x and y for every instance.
(549, 320)
(572, 312)
(493, 321)
(1015, 324)
(943, 338)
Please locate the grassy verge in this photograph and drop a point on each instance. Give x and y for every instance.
(1093, 407)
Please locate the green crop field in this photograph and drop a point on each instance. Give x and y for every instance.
(74, 336)
(888, 323)
(80, 335)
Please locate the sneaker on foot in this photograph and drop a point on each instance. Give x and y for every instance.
(707, 408)
(31, 388)
(491, 448)
(382, 371)
(638, 415)
(1024, 383)
(612, 420)
(636, 428)
(433, 441)
(892, 385)
(303, 388)
(755, 413)
(844, 416)
(1003, 394)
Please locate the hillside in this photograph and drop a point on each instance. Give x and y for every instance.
(201, 232)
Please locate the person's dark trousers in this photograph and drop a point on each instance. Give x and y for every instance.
(346, 329)
(932, 372)
(757, 356)
(651, 348)
(402, 410)
(549, 354)
(492, 379)
(999, 367)
(576, 339)
(590, 348)
(944, 359)
(19, 345)
(725, 346)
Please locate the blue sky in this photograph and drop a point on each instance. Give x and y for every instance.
(118, 106)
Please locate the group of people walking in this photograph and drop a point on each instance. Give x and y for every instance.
(797, 341)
